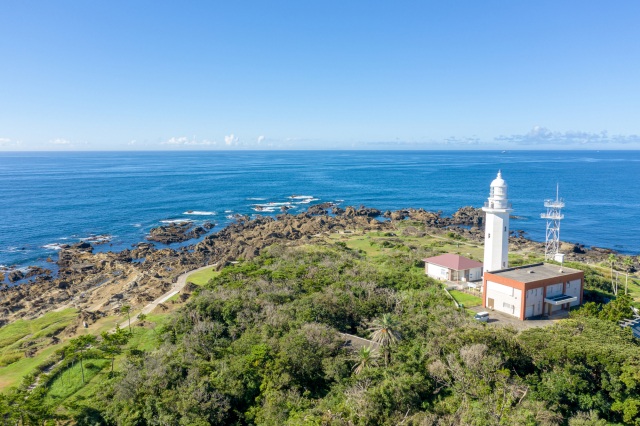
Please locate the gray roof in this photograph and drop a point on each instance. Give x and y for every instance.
(534, 272)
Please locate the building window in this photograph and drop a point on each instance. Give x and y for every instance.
(506, 305)
(489, 236)
(505, 229)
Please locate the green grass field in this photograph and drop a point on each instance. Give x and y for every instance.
(70, 381)
(203, 277)
(468, 300)
(29, 335)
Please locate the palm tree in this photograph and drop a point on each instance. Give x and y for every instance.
(126, 309)
(628, 264)
(384, 331)
(366, 358)
(612, 259)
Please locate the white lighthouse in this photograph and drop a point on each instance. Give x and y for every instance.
(496, 227)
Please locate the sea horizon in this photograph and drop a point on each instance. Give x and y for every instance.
(63, 197)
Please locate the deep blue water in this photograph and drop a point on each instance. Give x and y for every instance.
(54, 198)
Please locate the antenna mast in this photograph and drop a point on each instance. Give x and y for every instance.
(553, 216)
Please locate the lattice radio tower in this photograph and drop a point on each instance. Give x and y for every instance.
(554, 216)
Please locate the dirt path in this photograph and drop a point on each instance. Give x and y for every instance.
(175, 289)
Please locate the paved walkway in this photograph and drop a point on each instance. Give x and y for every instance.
(175, 289)
(358, 342)
(503, 320)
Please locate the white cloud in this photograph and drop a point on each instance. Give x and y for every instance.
(231, 140)
(261, 138)
(10, 143)
(60, 141)
(133, 142)
(539, 135)
(185, 141)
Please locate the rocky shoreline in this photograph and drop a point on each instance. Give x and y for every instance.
(101, 282)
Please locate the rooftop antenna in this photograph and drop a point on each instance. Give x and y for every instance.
(553, 216)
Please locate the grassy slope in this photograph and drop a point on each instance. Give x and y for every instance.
(67, 388)
(22, 335)
(202, 277)
(468, 300)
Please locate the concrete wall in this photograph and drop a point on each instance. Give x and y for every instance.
(504, 298)
(437, 272)
(574, 288)
(475, 273)
(534, 303)
(554, 290)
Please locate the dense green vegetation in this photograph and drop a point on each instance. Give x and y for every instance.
(260, 344)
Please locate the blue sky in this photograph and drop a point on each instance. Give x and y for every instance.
(116, 75)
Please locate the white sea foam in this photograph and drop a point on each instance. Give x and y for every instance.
(52, 246)
(176, 221)
(300, 197)
(200, 213)
(230, 216)
(256, 198)
(97, 238)
(268, 209)
(307, 200)
(272, 204)
(228, 211)
(137, 225)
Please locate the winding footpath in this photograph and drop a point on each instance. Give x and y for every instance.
(175, 289)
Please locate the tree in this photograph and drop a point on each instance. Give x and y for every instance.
(78, 347)
(628, 264)
(384, 331)
(612, 259)
(365, 359)
(126, 309)
(112, 343)
(618, 309)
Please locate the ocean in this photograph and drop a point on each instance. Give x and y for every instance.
(50, 199)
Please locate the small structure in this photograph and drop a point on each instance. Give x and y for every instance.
(553, 216)
(453, 267)
(532, 290)
(634, 324)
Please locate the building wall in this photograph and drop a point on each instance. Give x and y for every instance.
(503, 298)
(574, 288)
(575, 282)
(437, 272)
(475, 273)
(534, 302)
(496, 241)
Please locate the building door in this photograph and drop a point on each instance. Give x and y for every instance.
(528, 311)
(490, 303)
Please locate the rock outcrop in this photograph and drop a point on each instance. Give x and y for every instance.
(103, 282)
(178, 232)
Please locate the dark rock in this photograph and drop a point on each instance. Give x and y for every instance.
(15, 276)
(178, 232)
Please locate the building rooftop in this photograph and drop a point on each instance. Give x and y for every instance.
(453, 261)
(534, 272)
